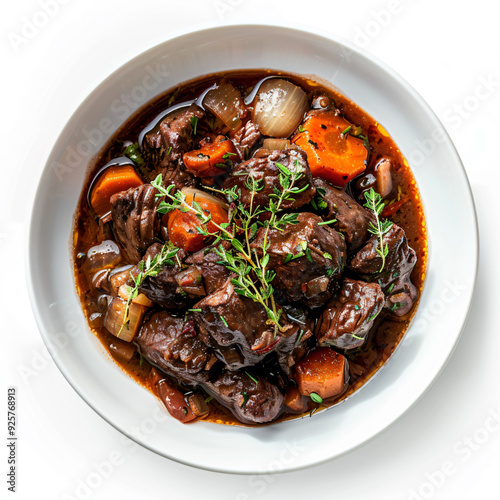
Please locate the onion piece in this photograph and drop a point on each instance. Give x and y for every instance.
(197, 194)
(115, 316)
(191, 281)
(119, 277)
(141, 299)
(123, 351)
(226, 103)
(279, 108)
(276, 144)
(197, 404)
(100, 280)
(317, 286)
(384, 178)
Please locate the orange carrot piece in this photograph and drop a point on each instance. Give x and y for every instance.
(210, 160)
(295, 401)
(113, 180)
(333, 156)
(182, 226)
(322, 371)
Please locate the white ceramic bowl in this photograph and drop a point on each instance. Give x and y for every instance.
(444, 304)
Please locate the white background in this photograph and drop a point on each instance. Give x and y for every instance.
(447, 447)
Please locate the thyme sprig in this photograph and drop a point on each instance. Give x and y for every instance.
(252, 277)
(177, 201)
(148, 268)
(380, 227)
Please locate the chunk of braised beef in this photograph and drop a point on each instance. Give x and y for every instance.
(178, 175)
(266, 170)
(163, 289)
(349, 317)
(173, 345)
(250, 402)
(227, 319)
(395, 278)
(352, 218)
(308, 259)
(214, 274)
(135, 223)
(175, 134)
(292, 348)
(246, 136)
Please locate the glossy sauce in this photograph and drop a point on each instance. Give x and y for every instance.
(388, 330)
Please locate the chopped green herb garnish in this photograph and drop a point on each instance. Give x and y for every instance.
(373, 316)
(398, 305)
(224, 321)
(195, 310)
(245, 399)
(225, 156)
(389, 290)
(327, 222)
(356, 307)
(316, 397)
(347, 130)
(253, 378)
(308, 255)
(297, 342)
(194, 124)
(301, 129)
(133, 153)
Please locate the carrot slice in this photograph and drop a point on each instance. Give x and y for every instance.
(322, 371)
(182, 226)
(113, 180)
(211, 159)
(295, 401)
(333, 156)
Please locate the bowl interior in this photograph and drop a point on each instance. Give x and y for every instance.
(422, 353)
